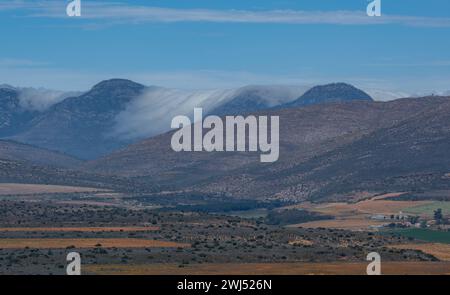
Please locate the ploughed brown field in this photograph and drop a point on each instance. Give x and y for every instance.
(86, 243)
(357, 268)
(79, 229)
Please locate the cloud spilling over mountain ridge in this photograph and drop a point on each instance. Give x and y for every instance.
(117, 112)
(151, 113)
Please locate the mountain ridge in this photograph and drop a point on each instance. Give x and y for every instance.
(118, 112)
(319, 129)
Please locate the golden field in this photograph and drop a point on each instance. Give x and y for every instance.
(345, 268)
(86, 243)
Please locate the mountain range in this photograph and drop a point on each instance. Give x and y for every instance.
(335, 141)
(326, 151)
(118, 112)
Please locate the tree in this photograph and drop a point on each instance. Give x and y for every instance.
(414, 219)
(438, 215)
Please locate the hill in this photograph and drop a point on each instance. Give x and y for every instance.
(310, 138)
(14, 151)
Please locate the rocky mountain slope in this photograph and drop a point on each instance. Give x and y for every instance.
(118, 112)
(308, 136)
(79, 125)
(13, 117)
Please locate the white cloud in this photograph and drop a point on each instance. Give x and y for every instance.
(40, 99)
(152, 112)
(436, 63)
(67, 79)
(119, 13)
(386, 95)
(14, 63)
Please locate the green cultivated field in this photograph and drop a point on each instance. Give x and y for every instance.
(429, 208)
(425, 235)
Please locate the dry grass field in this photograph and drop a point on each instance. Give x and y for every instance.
(27, 189)
(438, 250)
(79, 229)
(358, 268)
(86, 243)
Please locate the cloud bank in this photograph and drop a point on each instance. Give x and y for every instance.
(40, 99)
(120, 13)
(152, 112)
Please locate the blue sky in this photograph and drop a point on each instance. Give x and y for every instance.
(222, 44)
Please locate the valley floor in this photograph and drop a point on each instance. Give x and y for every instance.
(118, 233)
(337, 268)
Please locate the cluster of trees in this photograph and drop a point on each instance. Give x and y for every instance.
(439, 217)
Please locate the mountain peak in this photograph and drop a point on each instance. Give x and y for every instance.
(337, 91)
(117, 83)
(334, 92)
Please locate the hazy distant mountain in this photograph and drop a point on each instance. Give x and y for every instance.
(311, 139)
(335, 92)
(14, 151)
(79, 125)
